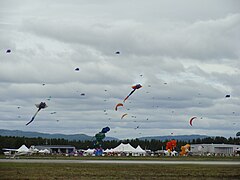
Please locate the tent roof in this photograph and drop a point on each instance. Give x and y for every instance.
(23, 148)
(124, 148)
(140, 150)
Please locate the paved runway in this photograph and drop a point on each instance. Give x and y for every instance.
(119, 161)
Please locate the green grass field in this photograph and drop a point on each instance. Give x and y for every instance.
(163, 158)
(11, 170)
(116, 171)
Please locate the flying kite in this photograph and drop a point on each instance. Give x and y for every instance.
(135, 87)
(123, 115)
(227, 96)
(136, 127)
(76, 69)
(238, 133)
(105, 129)
(117, 52)
(191, 120)
(8, 51)
(40, 106)
(119, 104)
(100, 136)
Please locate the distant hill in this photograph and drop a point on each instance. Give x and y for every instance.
(77, 137)
(84, 137)
(180, 137)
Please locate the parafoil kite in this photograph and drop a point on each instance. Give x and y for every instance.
(76, 69)
(227, 96)
(117, 52)
(191, 120)
(238, 133)
(119, 104)
(135, 87)
(40, 106)
(123, 115)
(105, 130)
(8, 51)
(100, 136)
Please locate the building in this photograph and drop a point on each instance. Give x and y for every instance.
(59, 149)
(215, 149)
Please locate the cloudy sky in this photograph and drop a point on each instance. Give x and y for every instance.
(185, 54)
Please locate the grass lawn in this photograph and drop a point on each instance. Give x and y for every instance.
(162, 158)
(116, 171)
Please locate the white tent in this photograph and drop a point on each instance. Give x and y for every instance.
(23, 149)
(126, 148)
(88, 152)
(108, 150)
(140, 151)
(44, 151)
(32, 149)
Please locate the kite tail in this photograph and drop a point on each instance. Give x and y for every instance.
(129, 95)
(33, 117)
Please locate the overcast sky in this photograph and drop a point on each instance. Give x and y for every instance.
(186, 55)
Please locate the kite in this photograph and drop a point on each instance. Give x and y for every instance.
(76, 69)
(117, 52)
(123, 115)
(238, 133)
(8, 51)
(135, 87)
(227, 96)
(171, 145)
(100, 136)
(119, 104)
(83, 94)
(136, 127)
(191, 120)
(40, 106)
(105, 130)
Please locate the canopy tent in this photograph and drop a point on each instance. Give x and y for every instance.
(108, 150)
(140, 150)
(23, 148)
(44, 151)
(88, 152)
(126, 148)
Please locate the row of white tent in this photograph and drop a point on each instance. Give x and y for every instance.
(122, 148)
(23, 150)
(32, 149)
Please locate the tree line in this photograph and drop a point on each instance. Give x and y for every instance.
(16, 142)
